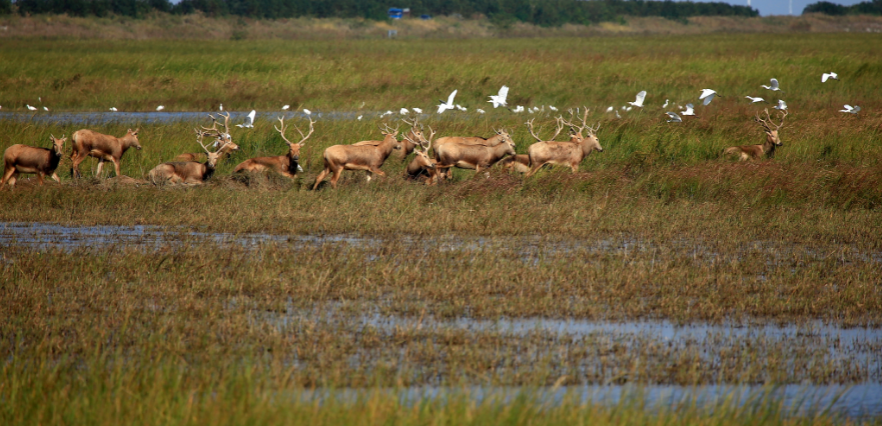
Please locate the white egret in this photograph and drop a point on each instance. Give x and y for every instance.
(160, 108)
(499, 100)
(674, 117)
(639, 101)
(31, 108)
(386, 113)
(851, 109)
(479, 111)
(359, 117)
(285, 107)
(461, 108)
(689, 110)
(444, 106)
(707, 95)
(45, 109)
(755, 100)
(307, 112)
(666, 103)
(551, 107)
(404, 111)
(828, 75)
(628, 109)
(774, 87)
(617, 114)
(610, 109)
(417, 110)
(781, 105)
(518, 109)
(249, 120)
(113, 109)
(221, 107)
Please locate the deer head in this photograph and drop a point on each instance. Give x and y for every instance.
(771, 134)
(223, 137)
(57, 145)
(294, 148)
(390, 135)
(589, 140)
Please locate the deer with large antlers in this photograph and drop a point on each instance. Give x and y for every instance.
(569, 153)
(473, 153)
(746, 152)
(222, 138)
(189, 172)
(422, 166)
(87, 143)
(28, 159)
(365, 155)
(287, 165)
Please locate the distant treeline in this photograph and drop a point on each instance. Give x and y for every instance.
(865, 8)
(539, 12)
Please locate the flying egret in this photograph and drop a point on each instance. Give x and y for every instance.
(479, 111)
(674, 117)
(404, 111)
(285, 107)
(851, 109)
(31, 108)
(689, 110)
(707, 95)
(160, 108)
(825, 76)
(774, 87)
(417, 110)
(755, 100)
(639, 101)
(249, 120)
(113, 109)
(307, 112)
(667, 101)
(499, 100)
(781, 105)
(444, 106)
(551, 107)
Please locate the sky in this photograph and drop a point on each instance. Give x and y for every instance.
(782, 7)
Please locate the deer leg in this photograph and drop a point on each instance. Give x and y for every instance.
(336, 177)
(13, 178)
(321, 176)
(40, 178)
(116, 166)
(75, 164)
(533, 170)
(55, 177)
(100, 166)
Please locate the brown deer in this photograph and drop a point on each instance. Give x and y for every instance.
(286, 165)
(101, 146)
(223, 138)
(422, 166)
(474, 154)
(28, 159)
(407, 144)
(746, 152)
(363, 156)
(188, 172)
(519, 163)
(569, 153)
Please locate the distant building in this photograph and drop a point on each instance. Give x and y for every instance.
(396, 13)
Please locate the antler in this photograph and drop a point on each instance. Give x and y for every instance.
(560, 126)
(766, 125)
(302, 136)
(783, 114)
(386, 130)
(428, 140)
(225, 135)
(199, 135)
(529, 124)
(414, 122)
(574, 126)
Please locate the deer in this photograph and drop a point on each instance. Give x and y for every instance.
(365, 155)
(286, 165)
(103, 147)
(422, 165)
(223, 138)
(188, 172)
(407, 144)
(569, 153)
(465, 140)
(28, 159)
(474, 154)
(747, 152)
(519, 163)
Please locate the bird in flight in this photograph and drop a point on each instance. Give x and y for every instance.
(707, 95)
(444, 106)
(851, 109)
(499, 100)
(249, 120)
(639, 101)
(828, 75)
(674, 117)
(755, 100)
(689, 110)
(774, 86)
(781, 105)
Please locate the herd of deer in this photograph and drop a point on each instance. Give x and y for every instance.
(462, 152)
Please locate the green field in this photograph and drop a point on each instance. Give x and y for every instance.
(658, 227)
